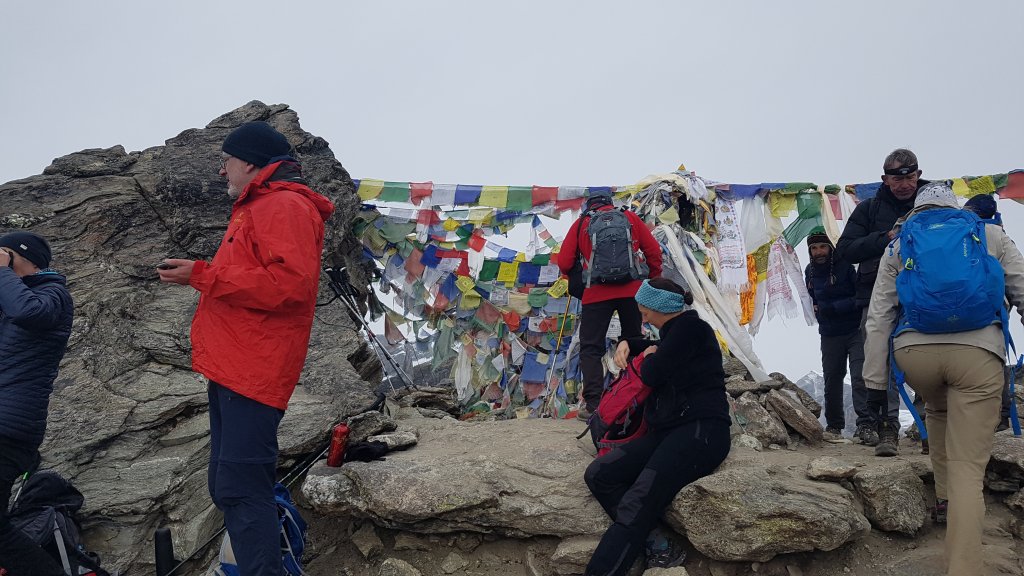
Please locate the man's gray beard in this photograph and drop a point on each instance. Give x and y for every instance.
(233, 192)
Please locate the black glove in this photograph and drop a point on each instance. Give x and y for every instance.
(365, 451)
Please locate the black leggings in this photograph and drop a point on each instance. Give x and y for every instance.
(637, 482)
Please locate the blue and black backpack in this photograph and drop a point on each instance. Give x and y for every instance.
(293, 538)
(948, 282)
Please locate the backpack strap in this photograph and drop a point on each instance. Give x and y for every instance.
(899, 378)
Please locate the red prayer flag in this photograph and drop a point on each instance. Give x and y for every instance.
(544, 194)
(420, 190)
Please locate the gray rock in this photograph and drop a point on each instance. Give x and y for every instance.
(747, 441)
(893, 496)
(806, 399)
(795, 414)
(367, 542)
(829, 468)
(757, 422)
(737, 386)
(745, 513)
(1015, 502)
(362, 426)
(734, 367)
(453, 562)
(1005, 471)
(396, 440)
(572, 554)
(396, 567)
(128, 419)
(407, 541)
(468, 541)
(464, 477)
(677, 571)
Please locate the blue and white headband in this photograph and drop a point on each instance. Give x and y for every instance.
(659, 300)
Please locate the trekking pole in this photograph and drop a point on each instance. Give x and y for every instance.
(554, 359)
(343, 291)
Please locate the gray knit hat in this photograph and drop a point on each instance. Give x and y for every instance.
(936, 194)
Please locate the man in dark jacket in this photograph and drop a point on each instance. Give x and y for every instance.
(36, 312)
(601, 301)
(868, 231)
(832, 285)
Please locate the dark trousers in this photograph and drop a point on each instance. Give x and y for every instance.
(1004, 408)
(241, 476)
(836, 351)
(19, 555)
(594, 321)
(636, 482)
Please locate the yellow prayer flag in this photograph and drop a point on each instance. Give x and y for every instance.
(781, 204)
(983, 185)
(451, 224)
(480, 215)
(669, 216)
(508, 271)
(495, 196)
(370, 189)
(560, 287)
(470, 300)
(960, 188)
(464, 283)
(521, 257)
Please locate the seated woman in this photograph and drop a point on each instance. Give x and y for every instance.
(688, 419)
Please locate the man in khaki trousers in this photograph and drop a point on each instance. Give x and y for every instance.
(960, 376)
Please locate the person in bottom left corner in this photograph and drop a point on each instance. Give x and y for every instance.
(688, 418)
(36, 312)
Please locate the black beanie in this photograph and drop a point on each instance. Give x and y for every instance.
(818, 238)
(984, 205)
(31, 247)
(256, 143)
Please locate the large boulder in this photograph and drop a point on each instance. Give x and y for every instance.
(1005, 472)
(128, 420)
(748, 513)
(464, 476)
(893, 496)
(795, 414)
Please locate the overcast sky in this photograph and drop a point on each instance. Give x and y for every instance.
(531, 92)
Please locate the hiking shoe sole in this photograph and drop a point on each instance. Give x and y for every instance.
(885, 450)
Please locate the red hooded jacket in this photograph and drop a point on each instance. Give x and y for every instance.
(251, 328)
(577, 242)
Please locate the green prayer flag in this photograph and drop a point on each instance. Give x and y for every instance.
(520, 198)
(395, 192)
(489, 271)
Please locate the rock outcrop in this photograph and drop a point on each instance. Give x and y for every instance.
(128, 420)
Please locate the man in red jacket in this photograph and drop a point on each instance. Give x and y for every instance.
(602, 300)
(251, 329)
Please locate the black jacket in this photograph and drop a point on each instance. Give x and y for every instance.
(35, 323)
(685, 373)
(867, 234)
(833, 288)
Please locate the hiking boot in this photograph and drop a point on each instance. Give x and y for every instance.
(1004, 424)
(939, 511)
(663, 553)
(888, 441)
(924, 446)
(583, 414)
(867, 435)
(833, 434)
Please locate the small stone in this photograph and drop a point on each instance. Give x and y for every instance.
(829, 468)
(406, 541)
(468, 541)
(453, 562)
(677, 571)
(1016, 502)
(396, 440)
(367, 541)
(746, 441)
(396, 567)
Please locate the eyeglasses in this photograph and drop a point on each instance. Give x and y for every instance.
(224, 162)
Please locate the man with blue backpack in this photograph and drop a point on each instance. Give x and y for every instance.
(937, 316)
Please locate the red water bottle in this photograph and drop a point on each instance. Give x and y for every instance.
(339, 438)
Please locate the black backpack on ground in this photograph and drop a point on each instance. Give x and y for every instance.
(45, 510)
(613, 260)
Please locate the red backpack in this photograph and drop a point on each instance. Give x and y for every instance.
(620, 415)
